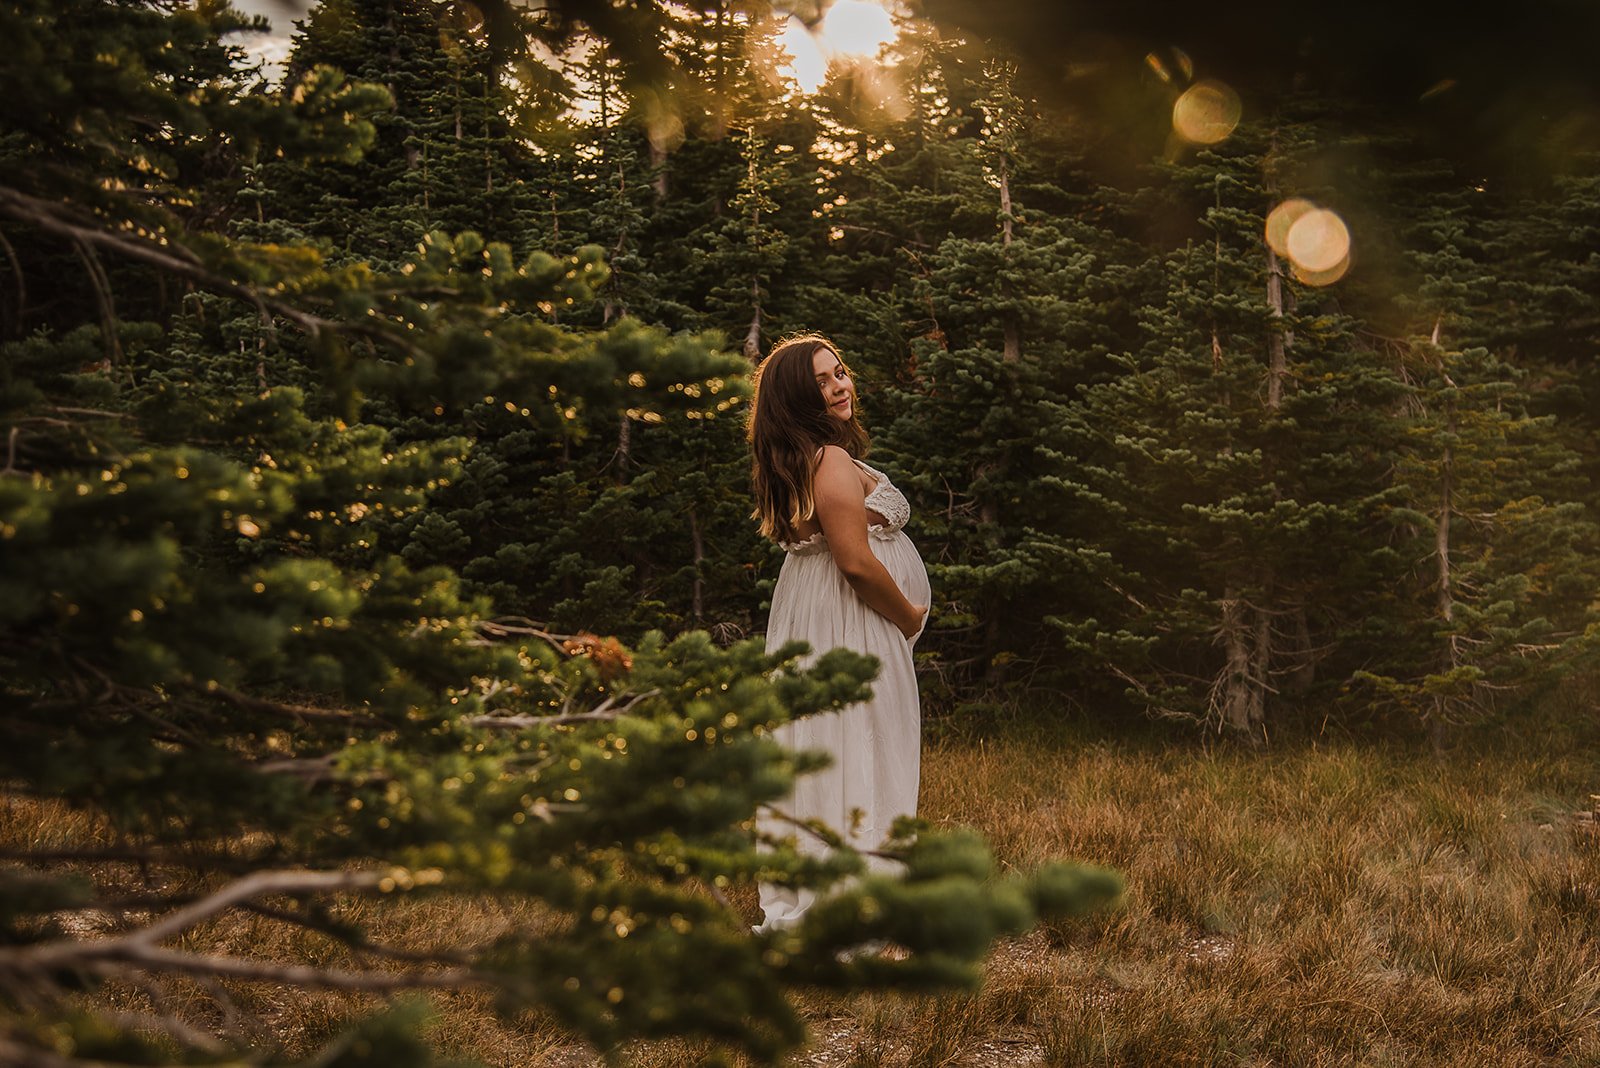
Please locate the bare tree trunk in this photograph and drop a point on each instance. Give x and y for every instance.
(697, 592)
(989, 510)
(1246, 640)
(555, 244)
(752, 336)
(1445, 598)
(658, 169)
(1445, 595)
(1011, 351)
(1261, 653)
(1239, 697)
(1005, 204)
(1279, 339)
(994, 670)
(1277, 356)
(491, 81)
(1302, 658)
(614, 307)
(624, 446)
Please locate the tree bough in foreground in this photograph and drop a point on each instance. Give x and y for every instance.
(626, 818)
(228, 695)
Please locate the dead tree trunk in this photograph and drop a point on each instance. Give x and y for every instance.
(1300, 659)
(1243, 631)
(1277, 343)
(752, 336)
(697, 590)
(1239, 697)
(624, 446)
(989, 510)
(1011, 329)
(658, 169)
(1445, 595)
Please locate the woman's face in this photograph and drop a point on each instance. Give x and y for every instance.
(838, 392)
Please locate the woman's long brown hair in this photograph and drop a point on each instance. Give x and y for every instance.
(789, 425)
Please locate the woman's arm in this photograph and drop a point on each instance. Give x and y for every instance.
(842, 513)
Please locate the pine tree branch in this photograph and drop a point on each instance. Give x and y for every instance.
(22, 281)
(353, 939)
(280, 708)
(95, 412)
(133, 699)
(260, 884)
(104, 301)
(520, 626)
(310, 769)
(114, 961)
(606, 710)
(51, 219)
(139, 949)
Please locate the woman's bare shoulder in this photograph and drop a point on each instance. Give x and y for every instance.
(836, 467)
(835, 457)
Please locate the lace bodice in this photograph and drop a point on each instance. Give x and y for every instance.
(884, 499)
(887, 501)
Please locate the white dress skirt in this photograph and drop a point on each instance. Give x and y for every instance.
(875, 745)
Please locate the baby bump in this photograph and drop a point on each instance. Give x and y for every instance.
(899, 557)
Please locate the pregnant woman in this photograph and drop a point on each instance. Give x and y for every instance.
(850, 578)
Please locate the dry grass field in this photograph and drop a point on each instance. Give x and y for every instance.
(1322, 902)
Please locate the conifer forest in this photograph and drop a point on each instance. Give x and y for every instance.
(375, 517)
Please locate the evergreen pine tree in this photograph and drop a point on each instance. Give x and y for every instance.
(214, 647)
(1489, 492)
(1232, 478)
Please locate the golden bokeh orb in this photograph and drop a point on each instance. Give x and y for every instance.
(1317, 241)
(1281, 218)
(1206, 113)
(1322, 278)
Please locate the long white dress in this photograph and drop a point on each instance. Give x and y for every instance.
(875, 745)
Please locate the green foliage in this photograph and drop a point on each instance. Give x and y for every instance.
(284, 493)
(341, 418)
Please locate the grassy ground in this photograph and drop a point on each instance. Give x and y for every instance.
(1318, 903)
(1323, 904)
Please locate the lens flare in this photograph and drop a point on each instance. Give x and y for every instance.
(1206, 113)
(1438, 87)
(805, 58)
(1281, 218)
(857, 27)
(1317, 241)
(877, 85)
(1322, 278)
(850, 30)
